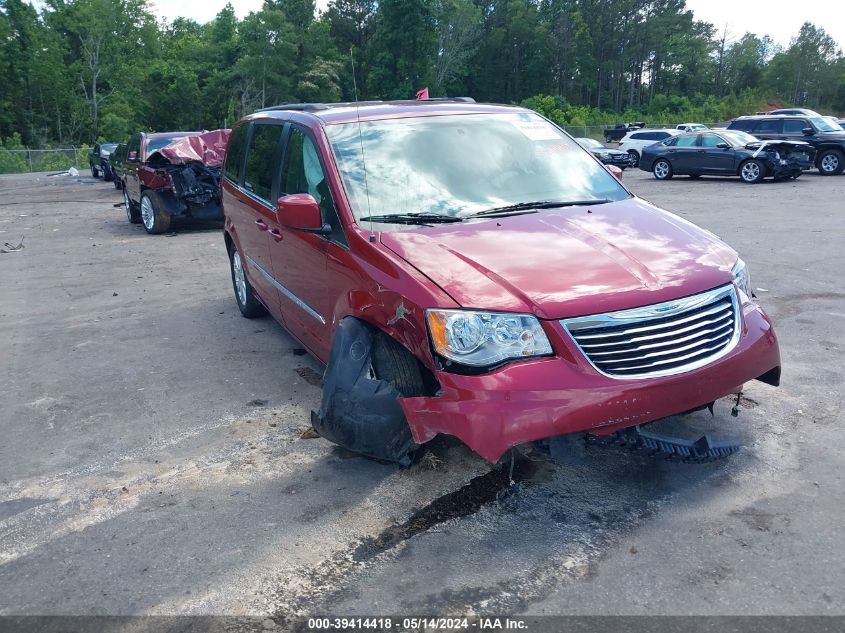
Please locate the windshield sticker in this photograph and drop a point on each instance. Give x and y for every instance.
(537, 130)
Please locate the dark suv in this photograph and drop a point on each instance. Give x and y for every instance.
(820, 133)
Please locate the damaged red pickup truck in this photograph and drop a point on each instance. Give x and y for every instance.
(170, 175)
(469, 269)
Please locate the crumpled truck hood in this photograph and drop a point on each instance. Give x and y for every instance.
(208, 148)
(568, 262)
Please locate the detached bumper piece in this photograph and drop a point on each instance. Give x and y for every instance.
(703, 449)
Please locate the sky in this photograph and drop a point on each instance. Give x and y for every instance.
(776, 18)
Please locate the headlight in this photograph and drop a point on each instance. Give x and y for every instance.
(481, 339)
(742, 280)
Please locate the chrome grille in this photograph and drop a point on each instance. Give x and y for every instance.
(662, 339)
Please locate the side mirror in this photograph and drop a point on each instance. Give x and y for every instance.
(300, 211)
(808, 131)
(723, 146)
(132, 156)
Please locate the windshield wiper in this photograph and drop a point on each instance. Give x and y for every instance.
(412, 218)
(537, 204)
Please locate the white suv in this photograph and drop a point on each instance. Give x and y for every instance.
(634, 141)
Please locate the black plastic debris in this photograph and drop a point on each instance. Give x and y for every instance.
(657, 444)
(360, 412)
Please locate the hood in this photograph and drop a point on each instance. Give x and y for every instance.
(568, 262)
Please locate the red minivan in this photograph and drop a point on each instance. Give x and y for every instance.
(469, 269)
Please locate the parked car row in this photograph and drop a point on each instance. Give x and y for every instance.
(98, 160)
(165, 176)
(776, 145)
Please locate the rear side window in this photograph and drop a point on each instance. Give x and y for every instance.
(659, 136)
(687, 140)
(743, 125)
(768, 126)
(641, 136)
(262, 160)
(235, 151)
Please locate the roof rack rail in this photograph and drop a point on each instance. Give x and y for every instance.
(314, 107)
(305, 107)
(453, 99)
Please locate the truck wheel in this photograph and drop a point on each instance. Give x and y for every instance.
(752, 171)
(95, 173)
(107, 175)
(155, 219)
(662, 169)
(117, 184)
(247, 303)
(133, 213)
(831, 162)
(607, 139)
(635, 158)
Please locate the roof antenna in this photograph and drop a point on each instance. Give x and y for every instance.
(361, 141)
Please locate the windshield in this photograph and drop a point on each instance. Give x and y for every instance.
(460, 164)
(823, 125)
(590, 143)
(737, 138)
(157, 143)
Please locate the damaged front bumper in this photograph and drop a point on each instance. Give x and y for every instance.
(542, 398)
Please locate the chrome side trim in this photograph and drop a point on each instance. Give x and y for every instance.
(311, 311)
(709, 318)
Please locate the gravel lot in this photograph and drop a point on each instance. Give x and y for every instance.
(152, 458)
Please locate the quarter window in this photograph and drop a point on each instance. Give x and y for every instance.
(262, 159)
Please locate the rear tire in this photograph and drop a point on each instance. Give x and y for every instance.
(153, 215)
(249, 306)
(662, 169)
(831, 162)
(635, 158)
(95, 173)
(752, 171)
(133, 213)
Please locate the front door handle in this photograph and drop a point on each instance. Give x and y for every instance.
(276, 235)
(262, 226)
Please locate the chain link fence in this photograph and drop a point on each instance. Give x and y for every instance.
(19, 161)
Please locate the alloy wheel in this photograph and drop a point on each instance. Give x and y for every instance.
(239, 277)
(127, 205)
(750, 171)
(147, 213)
(830, 163)
(661, 169)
